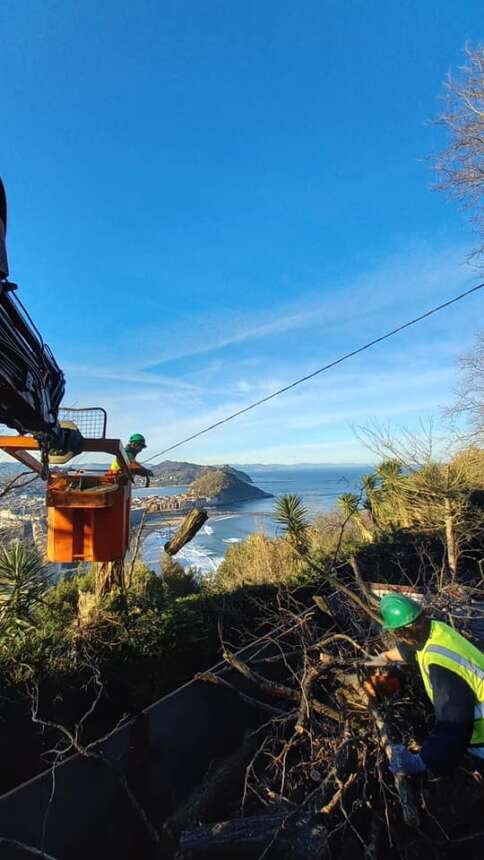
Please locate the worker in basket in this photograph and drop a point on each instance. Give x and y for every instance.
(136, 443)
(452, 671)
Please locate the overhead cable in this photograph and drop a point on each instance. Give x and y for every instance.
(318, 371)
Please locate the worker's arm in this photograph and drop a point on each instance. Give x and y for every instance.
(394, 655)
(454, 704)
(138, 469)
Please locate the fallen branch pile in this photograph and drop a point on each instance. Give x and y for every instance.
(312, 780)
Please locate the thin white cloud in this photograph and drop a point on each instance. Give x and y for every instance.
(409, 375)
(417, 275)
(89, 371)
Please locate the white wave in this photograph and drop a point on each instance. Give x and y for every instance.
(204, 561)
(225, 517)
(231, 540)
(207, 530)
(193, 552)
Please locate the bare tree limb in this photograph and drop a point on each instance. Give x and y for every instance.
(29, 849)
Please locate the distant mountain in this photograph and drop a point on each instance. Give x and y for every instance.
(174, 473)
(170, 472)
(272, 467)
(225, 487)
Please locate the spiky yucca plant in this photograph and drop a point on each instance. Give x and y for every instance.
(293, 516)
(349, 505)
(23, 583)
(389, 471)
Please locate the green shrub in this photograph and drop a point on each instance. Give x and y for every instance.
(178, 581)
(258, 560)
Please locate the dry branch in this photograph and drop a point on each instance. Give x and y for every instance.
(322, 604)
(310, 675)
(272, 688)
(340, 586)
(13, 483)
(28, 849)
(211, 678)
(410, 812)
(338, 795)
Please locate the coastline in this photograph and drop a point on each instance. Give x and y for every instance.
(230, 523)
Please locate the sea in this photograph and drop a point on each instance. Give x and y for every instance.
(319, 487)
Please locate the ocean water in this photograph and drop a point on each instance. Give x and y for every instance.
(319, 487)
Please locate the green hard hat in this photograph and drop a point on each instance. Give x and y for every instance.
(137, 439)
(398, 611)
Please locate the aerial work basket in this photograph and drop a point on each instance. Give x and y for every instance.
(88, 513)
(88, 517)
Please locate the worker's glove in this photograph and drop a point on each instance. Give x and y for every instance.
(405, 762)
(377, 662)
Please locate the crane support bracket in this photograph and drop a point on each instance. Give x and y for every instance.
(19, 447)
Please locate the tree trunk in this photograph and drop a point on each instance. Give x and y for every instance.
(109, 575)
(192, 523)
(278, 836)
(211, 798)
(366, 534)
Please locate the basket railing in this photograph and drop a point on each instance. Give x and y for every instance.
(91, 422)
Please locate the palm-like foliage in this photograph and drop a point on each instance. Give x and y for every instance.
(434, 498)
(23, 583)
(349, 505)
(368, 483)
(371, 497)
(293, 516)
(389, 471)
(383, 494)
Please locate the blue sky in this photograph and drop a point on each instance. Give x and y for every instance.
(208, 200)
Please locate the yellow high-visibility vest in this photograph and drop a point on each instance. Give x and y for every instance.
(445, 647)
(115, 467)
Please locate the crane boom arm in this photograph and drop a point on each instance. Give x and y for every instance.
(31, 382)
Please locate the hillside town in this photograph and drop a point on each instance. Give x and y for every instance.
(180, 503)
(23, 517)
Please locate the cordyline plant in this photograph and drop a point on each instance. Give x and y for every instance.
(293, 516)
(23, 584)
